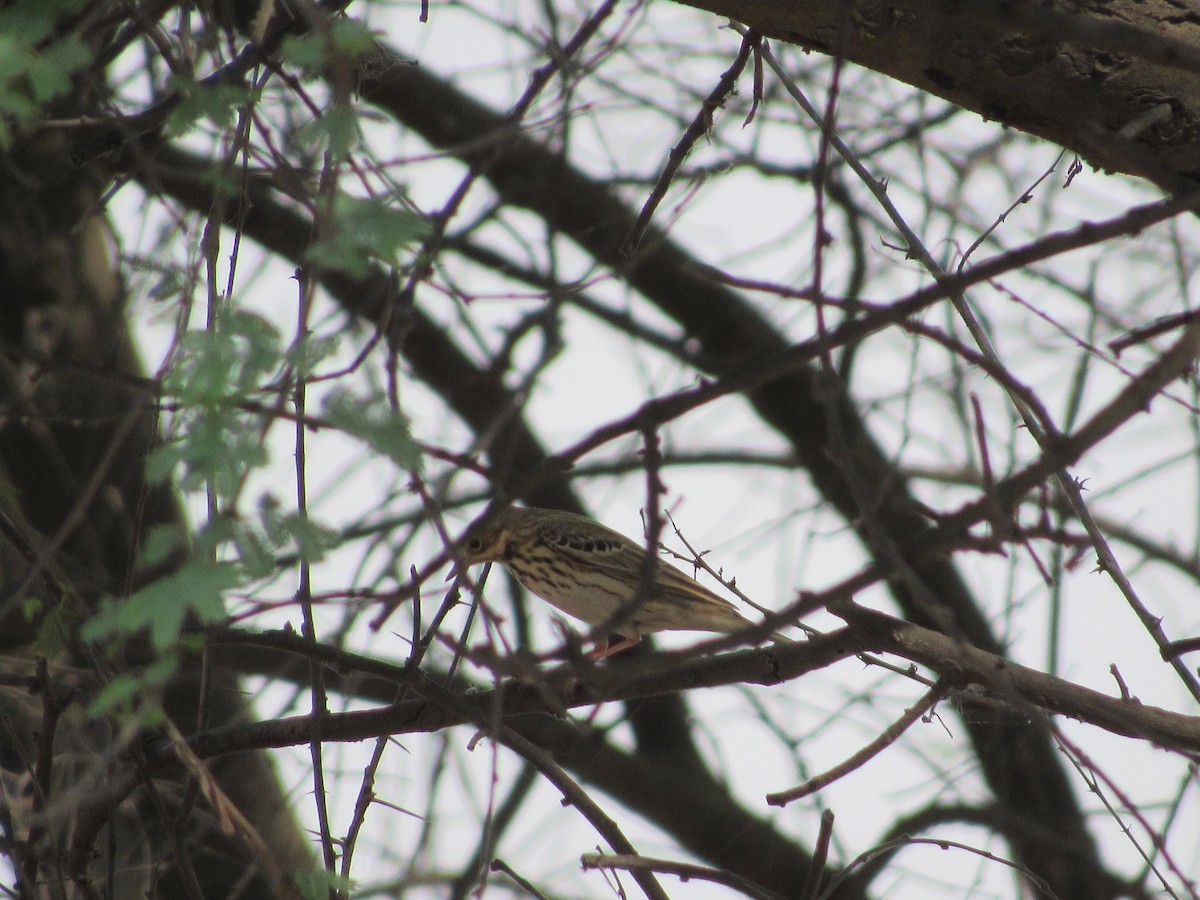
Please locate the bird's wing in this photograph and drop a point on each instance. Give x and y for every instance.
(615, 555)
(594, 546)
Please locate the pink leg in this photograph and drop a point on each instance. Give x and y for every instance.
(605, 649)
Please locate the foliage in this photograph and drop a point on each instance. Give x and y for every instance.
(846, 350)
(36, 65)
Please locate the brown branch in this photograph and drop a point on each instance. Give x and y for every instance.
(960, 664)
(700, 125)
(576, 796)
(558, 690)
(812, 884)
(684, 871)
(777, 365)
(993, 817)
(969, 666)
(867, 753)
(1075, 75)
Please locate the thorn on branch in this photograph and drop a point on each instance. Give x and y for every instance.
(1124, 688)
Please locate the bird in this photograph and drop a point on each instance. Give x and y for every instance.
(590, 572)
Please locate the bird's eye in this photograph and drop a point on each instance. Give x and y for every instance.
(475, 545)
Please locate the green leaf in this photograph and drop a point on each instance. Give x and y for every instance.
(215, 451)
(52, 633)
(315, 884)
(14, 56)
(335, 129)
(255, 555)
(218, 103)
(271, 516)
(162, 461)
(312, 540)
(34, 67)
(340, 126)
(352, 38)
(161, 541)
(123, 692)
(363, 230)
(306, 355)
(215, 371)
(33, 21)
(288, 531)
(49, 73)
(305, 51)
(226, 362)
(374, 422)
(169, 284)
(349, 39)
(163, 605)
(116, 694)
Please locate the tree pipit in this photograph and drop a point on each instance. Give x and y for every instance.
(591, 572)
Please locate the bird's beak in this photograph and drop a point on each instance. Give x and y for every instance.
(458, 569)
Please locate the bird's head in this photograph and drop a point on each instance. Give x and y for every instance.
(487, 539)
(485, 544)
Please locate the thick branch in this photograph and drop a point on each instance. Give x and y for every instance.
(1073, 73)
(571, 688)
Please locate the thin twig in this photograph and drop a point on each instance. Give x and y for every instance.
(889, 736)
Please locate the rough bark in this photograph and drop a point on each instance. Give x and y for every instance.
(75, 427)
(1076, 74)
